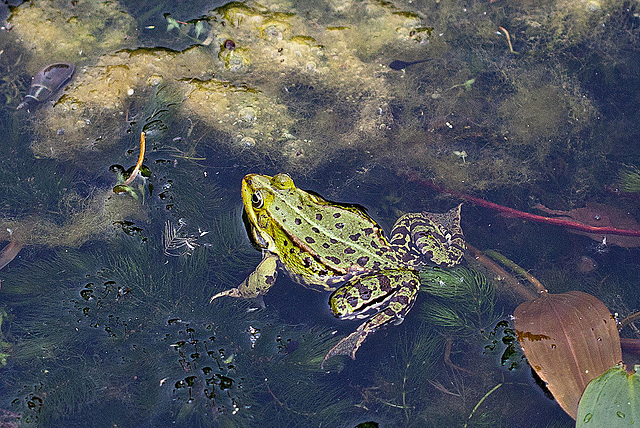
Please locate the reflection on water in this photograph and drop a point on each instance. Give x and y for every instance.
(105, 314)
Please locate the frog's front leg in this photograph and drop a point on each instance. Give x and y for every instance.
(258, 282)
(390, 293)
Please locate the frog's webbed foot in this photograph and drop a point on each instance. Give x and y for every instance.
(445, 244)
(257, 283)
(437, 237)
(348, 345)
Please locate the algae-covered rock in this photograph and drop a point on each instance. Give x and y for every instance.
(51, 30)
(247, 115)
(92, 112)
(269, 81)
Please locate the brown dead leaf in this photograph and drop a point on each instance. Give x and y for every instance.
(569, 339)
(600, 215)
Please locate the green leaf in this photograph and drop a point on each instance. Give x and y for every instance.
(611, 400)
(172, 23)
(199, 28)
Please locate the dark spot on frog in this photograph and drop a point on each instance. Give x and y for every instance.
(285, 242)
(325, 245)
(336, 215)
(368, 231)
(362, 261)
(306, 262)
(270, 279)
(333, 240)
(349, 250)
(385, 283)
(333, 259)
(374, 244)
(376, 265)
(297, 221)
(355, 237)
(309, 240)
(318, 216)
(315, 229)
(390, 313)
(365, 292)
(339, 225)
(402, 299)
(352, 301)
(398, 241)
(229, 45)
(407, 257)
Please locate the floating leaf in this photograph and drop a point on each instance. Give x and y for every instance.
(569, 340)
(611, 400)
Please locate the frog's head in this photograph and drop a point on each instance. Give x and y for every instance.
(262, 195)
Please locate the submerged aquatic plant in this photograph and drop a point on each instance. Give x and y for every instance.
(402, 376)
(630, 180)
(464, 299)
(5, 347)
(111, 333)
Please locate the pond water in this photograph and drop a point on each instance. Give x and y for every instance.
(105, 312)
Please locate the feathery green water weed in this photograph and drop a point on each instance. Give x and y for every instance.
(463, 299)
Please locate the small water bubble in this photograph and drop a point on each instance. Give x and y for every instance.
(248, 142)
(248, 114)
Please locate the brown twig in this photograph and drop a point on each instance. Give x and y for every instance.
(511, 212)
(136, 170)
(506, 34)
(516, 268)
(502, 277)
(629, 319)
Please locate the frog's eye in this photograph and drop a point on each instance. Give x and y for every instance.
(256, 200)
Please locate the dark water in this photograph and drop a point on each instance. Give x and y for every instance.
(106, 320)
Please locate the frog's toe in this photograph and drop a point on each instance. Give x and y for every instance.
(234, 292)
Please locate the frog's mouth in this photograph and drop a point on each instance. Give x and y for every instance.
(258, 242)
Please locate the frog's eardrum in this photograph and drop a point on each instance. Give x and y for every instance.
(47, 82)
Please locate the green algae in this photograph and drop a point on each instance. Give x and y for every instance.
(520, 105)
(49, 31)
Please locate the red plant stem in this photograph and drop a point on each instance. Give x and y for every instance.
(510, 212)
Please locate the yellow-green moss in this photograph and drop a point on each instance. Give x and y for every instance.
(52, 31)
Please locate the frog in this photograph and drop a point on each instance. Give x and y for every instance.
(339, 248)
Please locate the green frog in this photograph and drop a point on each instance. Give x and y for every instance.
(338, 247)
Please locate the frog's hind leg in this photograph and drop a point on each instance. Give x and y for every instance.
(391, 310)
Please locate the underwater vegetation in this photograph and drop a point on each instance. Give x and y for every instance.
(112, 335)
(463, 300)
(47, 203)
(302, 84)
(630, 180)
(107, 304)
